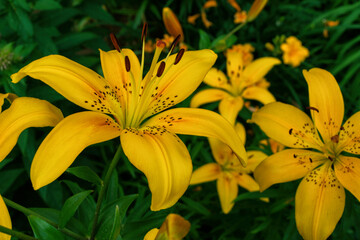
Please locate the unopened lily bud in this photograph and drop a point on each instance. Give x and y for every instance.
(255, 9)
(172, 23)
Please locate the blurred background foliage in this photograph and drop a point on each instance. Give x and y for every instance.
(30, 29)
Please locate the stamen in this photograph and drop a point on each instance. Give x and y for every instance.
(144, 32)
(290, 131)
(310, 160)
(342, 128)
(335, 139)
(127, 64)
(179, 56)
(330, 158)
(313, 108)
(161, 44)
(174, 43)
(115, 42)
(161, 69)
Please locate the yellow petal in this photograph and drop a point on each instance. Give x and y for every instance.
(254, 159)
(200, 122)
(230, 107)
(114, 70)
(240, 130)
(257, 69)
(347, 171)
(208, 96)
(258, 93)
(287, 125)
(247, 182)
(217, 78)
(180, 80)
(66, 141)
(151, 235)
(325, 95)
(163, 158)
(174, 227)
(319, 203)
(206, 173)
(23, 113)
(220, 151)
(234, 67)
(172, 23)
(75, 82)
(285, 166)
(255, 9)
(4, 219)
(350, 134)
(227, 190)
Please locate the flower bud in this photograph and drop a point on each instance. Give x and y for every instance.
(172, 23)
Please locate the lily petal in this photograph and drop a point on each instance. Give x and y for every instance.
(319, 203)
(347, 171)
(258, 93)
(220, 151)
(4, 219)
(75, 82)
(349, 136)
(208, 96)
(247, 182)
(66, 141)
(151, 235)
(285, 166)
(174, 227)
(257, 69)
(228, 191)
(180, 80)
(230, 107)
(254, 159)
(23, 113)
(163, 158)
(325, 96)
(200, 122)
(234, 67)
(206, 173)
(216, 78)
(287, 125)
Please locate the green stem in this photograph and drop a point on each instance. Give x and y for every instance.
(234, 31)
(27, 212)
(16, 233)
(103, 189)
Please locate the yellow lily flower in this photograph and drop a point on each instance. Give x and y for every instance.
(293, 51)
(320, 197)
(174, 227)
(228, 172)
(240, 84)
(4, 218)
(151, 144)
(24, 112)
(246, 51)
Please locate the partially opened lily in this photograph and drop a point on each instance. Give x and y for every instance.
(5, 220)
(242, 83)
(316, 154)
(151, 144)
(175, 227)
(228, 172)
(24, 112)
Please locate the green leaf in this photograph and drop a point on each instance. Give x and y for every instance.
(25, 22)
(115, 231)
(70, 206)
(74, 39)
(204, 41)
(85, 173)
(195, 206)
(8, 177)
(47, 5)
(43, 230)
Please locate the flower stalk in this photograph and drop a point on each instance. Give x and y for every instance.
(16, 233)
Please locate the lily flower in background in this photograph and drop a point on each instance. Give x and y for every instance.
(24, 112)
(329, 24)
(275, 146)
(5, 220)
(206, 22)
(256, 8)
(293, 51)
(175, 227)
(315, 155)
(228, 172)
(172, 23)
(246, 50)
(240, 84)
(126, 104)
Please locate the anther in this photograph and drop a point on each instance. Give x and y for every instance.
(335, 139)
(115, 42)
(144, 31)
(174, 43)
(313, 108)
(342, 128)
(127, 64)
(310, 160)
(179, 56)
(160, 44)
(330, 158)
(290, 131)
(161, 69)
